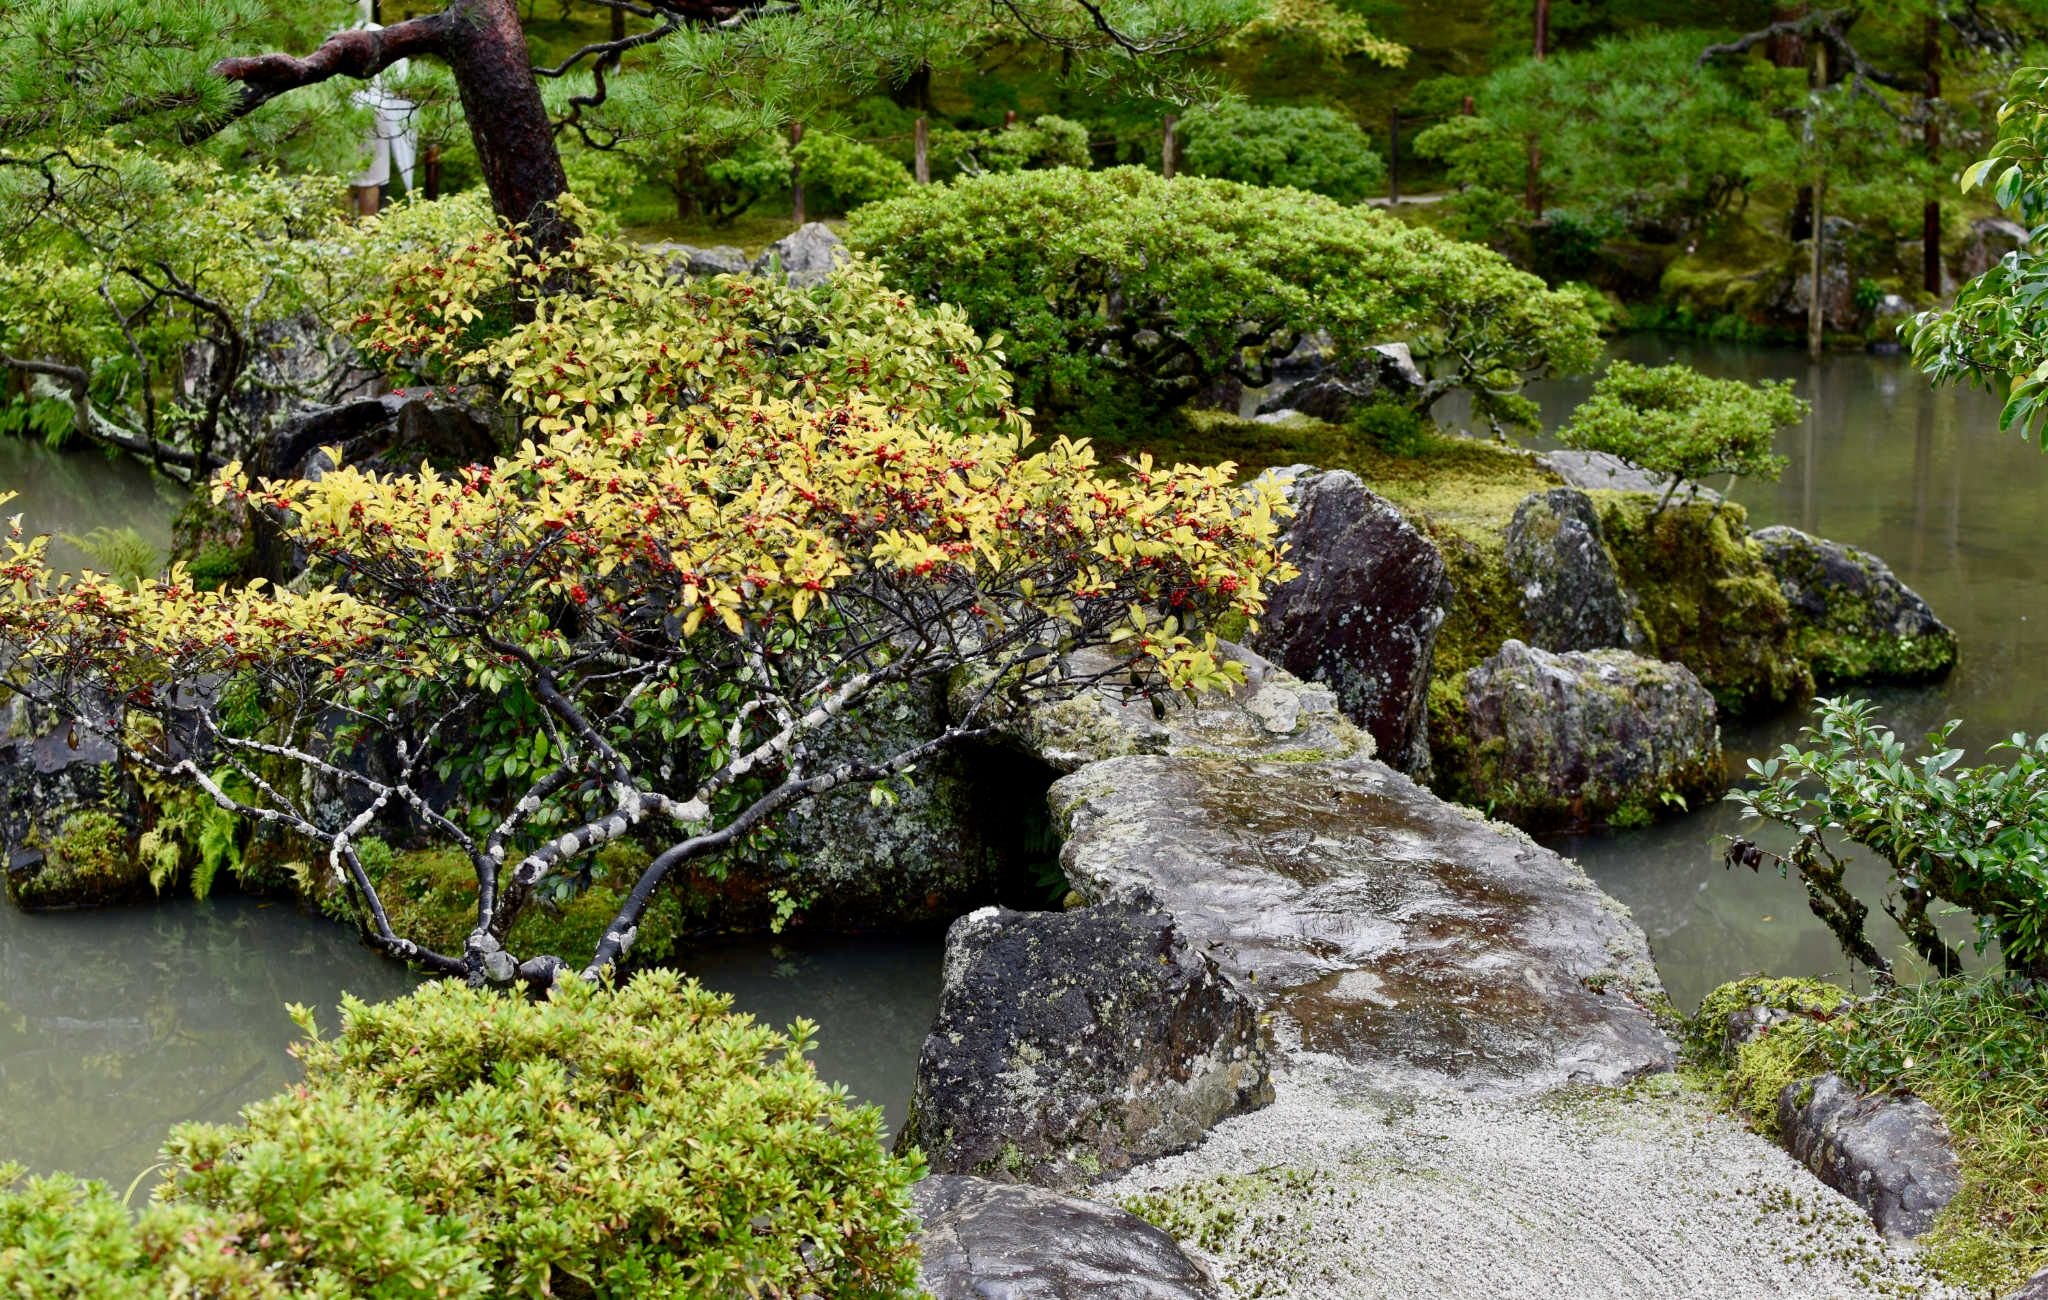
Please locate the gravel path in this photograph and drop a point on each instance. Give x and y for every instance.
(1642, 1193)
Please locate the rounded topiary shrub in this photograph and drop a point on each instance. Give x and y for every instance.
(639, 1142)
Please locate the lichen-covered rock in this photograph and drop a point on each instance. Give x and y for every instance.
(1069, 1045)
(1707, 599)
(1571, 596)
(1363, 615)
(1404, 936)
(2035, 1288)
(685, 261)
(1565, 740)
(919, 857)
(1989, 240)
(984, 1240)
(1857, 621)
(68, 815)
(1889, 1154)
(806, 256)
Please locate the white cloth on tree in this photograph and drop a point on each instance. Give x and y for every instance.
(393, 139)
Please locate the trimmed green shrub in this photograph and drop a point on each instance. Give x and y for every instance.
(841, 174)
(1676, 422)
(1046, 142)
(1118, 294)
(639, 1142)
(1316, 149)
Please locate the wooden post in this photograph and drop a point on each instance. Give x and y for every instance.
(366, 199)
(1468, 108)
(1169, 147)
(796, 176)
(923, 138)
(1816, 316)
(431, 172)
(1009, 118)
(1930, 216)
(1393, 157)
(1532, 186)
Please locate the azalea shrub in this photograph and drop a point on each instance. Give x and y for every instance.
(606, 1143)
(740, 515)
(1118, 294)
(1677, 423)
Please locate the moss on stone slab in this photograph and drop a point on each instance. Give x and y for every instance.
(89, 860)
(1707, 598)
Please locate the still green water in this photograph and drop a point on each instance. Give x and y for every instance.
(115, 1025)
(1924, 478)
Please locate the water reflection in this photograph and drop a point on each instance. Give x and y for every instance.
(117, 1024)
(80, 491)
(1924, 478)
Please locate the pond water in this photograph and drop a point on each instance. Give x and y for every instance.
(76, 493)
(1924, 478)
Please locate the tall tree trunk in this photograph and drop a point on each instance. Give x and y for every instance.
(1532, 185)
(921, 136)
(1816, 315)
(1930, 216)
(1788, 50)
(515, 142)
(796, 175)
(1169, 147)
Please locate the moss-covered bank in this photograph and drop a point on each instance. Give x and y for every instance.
(1975, 1048)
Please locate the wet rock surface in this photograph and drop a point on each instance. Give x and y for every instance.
(1307, 384)
(1889, 1154)
(1427, 947)
(686, 261)
(1072, 1045)
(2036, 1288)
(1857, 621)
(983, 1240)
(1363, 616)
(1572, 598)
(1566, 740)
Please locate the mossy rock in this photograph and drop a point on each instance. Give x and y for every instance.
(1857, 623)
(1707, 598)
(89, 860)
(1764, 1036)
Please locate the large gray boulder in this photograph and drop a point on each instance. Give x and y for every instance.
(687, 262)
(1566, 740)
(1793, 295)
(1856, 622)
(1889, 1154)
(985, 1240)
(1363, 615)
(1989, 240)
(1603, 470)
(1572, 599)
(805, 257)
(1404, 936)
(1072, 1045)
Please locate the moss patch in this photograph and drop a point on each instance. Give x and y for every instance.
(1707, 598)
(430, 896)
(90, 860)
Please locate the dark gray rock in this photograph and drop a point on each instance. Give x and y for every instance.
(1792, 298)
(1856, 622)
(1380, 925)
(1597, 470)
(1072, 1045)
(1572, 599)
(684, 261)
(805, 257)
(1362, 617)
(1566, 740)
(918, 860)
(984, 1240)
(60, 782)
(2036, 1288)
(1387, 372)
(1889, 1154)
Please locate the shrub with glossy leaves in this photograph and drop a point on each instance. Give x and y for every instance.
(1305, 147)
(1118, 294)
(1974, 838)
(1675, 421)
(607, 1144)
